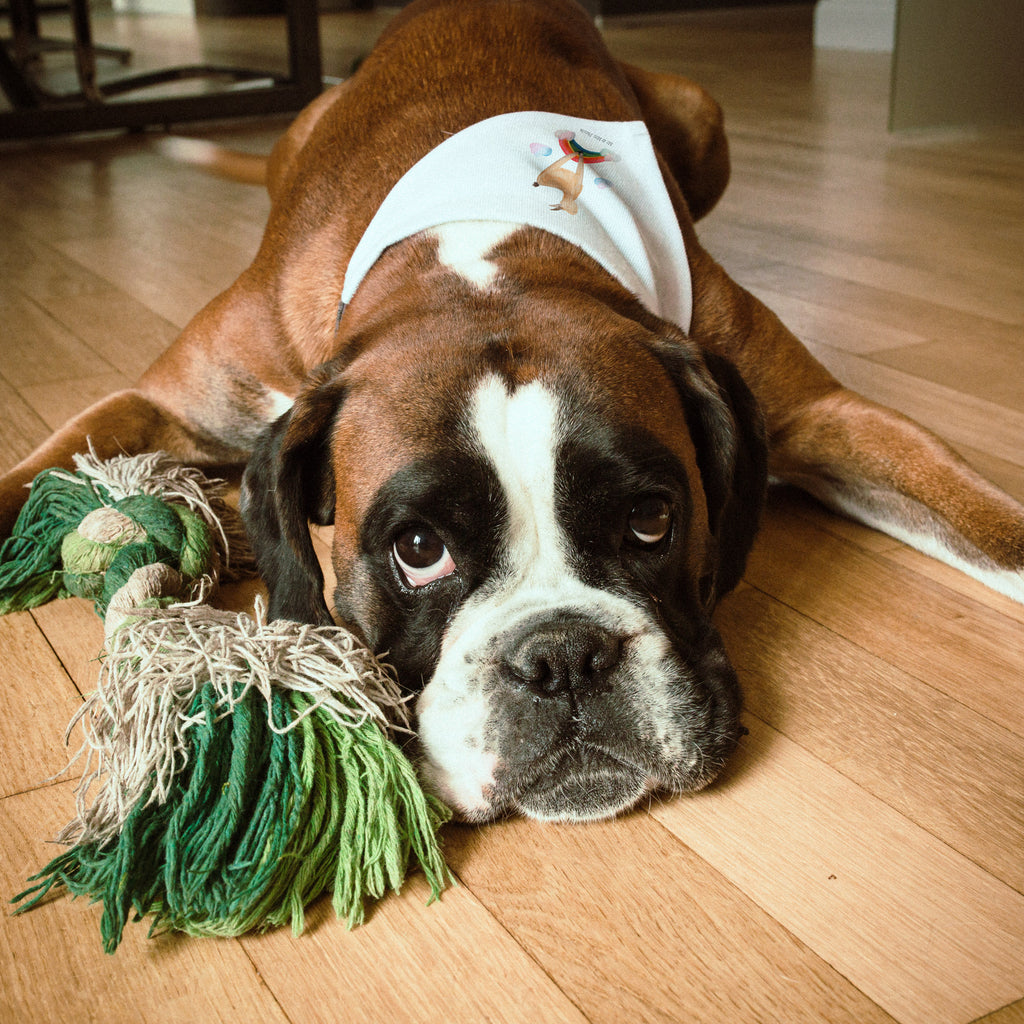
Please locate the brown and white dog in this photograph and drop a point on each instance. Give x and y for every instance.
(539, 486)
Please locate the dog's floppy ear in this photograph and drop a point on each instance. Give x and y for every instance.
(289, 482)
(728, 434)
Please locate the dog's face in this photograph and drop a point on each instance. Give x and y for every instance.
(534, 536)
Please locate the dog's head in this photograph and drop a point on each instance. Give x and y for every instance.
(536, 535)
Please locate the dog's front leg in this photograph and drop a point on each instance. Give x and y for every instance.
(126, 421)
(885, 470)
(205, 400)
(862, 459)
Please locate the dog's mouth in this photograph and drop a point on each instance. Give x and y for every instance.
(578, 779)
(585, 783)
(576, 782)
(582, 781)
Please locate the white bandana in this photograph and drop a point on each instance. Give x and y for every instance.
(594, 183)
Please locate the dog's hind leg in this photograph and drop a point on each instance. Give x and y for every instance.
(686, 127)
(883, 469)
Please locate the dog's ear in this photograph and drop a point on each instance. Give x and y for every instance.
(728, 433)
(288, 483)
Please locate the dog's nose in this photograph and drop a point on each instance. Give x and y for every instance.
(560, 656)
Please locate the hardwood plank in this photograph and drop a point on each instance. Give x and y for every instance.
(37, 700)
(985, 289)
(984, 180)
(975, 657)
(881, 309)
(633, 926)
(849, 219)
(23, 429)
(83, 303)
(953, 579)
(80, 189)
(87, 305)
(993, 372)
(75, 634)
(38, 349)
(916, 224)
(945, 768)
(140, 227)
(864, 888)
(323, 540)
(43, 204)
(160, 272)
(54, 964)
(790, 501)
(1012, 1014)
(411, 962)
(59, 402)
(851, 332)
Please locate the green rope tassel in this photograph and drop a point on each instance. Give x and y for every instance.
(261, 825)
(255, 797)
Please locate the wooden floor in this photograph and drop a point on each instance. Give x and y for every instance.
(864, 859)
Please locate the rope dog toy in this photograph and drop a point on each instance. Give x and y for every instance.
(241, 768)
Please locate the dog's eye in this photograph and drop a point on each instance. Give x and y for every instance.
(422, 556)
(649, 521)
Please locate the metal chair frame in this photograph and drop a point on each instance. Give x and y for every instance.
(98, 106)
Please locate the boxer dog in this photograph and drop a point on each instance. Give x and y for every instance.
(540, 417)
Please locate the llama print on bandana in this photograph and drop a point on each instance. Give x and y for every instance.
(565, 177)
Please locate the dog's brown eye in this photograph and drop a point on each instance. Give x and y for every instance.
(649, 521)
(422, 556)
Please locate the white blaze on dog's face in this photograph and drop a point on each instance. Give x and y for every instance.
(558, 691)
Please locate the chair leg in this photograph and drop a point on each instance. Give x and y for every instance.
(85, 52)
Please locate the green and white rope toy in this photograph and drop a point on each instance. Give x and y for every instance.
(235, 769)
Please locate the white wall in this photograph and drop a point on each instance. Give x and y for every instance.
(154, 6)
(855, 24)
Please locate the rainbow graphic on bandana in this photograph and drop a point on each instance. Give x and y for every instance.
(570, 147)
